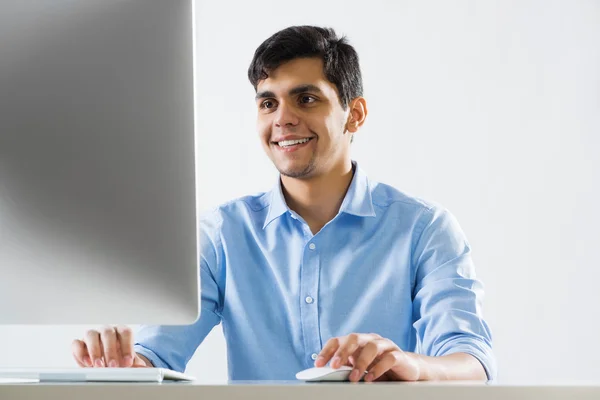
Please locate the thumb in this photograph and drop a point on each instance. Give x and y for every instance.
(139, 363)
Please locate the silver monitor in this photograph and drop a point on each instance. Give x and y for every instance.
(97, 169)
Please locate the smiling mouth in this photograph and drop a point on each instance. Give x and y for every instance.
(286, 144)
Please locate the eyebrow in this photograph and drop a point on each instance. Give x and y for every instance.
(292, 92)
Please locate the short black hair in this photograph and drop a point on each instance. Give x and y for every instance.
(340, 60)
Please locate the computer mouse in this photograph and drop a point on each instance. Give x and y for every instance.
(323, 374)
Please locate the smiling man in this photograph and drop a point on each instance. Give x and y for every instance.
(329, 267)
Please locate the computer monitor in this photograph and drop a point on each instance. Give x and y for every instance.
(97, 169)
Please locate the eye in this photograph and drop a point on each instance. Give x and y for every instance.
(307, 99)
(268, 104)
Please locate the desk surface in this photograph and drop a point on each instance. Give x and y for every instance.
(298, 391)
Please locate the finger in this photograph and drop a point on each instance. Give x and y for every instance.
(80, 353)
(346, 349)
(368, 354)
(125, 338)
(119, 357)
(327, 352)
(108, 335)
(352, 360)
(355, 356)
(387, 362)
(141, 362)
(94, 347)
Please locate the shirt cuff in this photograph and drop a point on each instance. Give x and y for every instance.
(480, 351)
(150, 355)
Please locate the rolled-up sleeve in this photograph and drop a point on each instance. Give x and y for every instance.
(173, 346)
(447, 296)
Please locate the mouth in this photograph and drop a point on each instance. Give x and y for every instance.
(292, 145)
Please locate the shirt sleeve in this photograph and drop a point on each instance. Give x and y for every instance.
(447, 297)
(172, 346)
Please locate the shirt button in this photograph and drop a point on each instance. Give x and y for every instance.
(312, 246)
(309, 299)
(314, 356)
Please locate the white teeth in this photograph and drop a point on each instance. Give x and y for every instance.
(286, 143)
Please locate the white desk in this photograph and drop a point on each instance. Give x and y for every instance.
(297, 391)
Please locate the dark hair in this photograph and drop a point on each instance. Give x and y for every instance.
(340, 60)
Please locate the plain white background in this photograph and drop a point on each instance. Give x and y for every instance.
(491, 109)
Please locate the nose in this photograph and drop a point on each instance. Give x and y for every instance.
(285, 116)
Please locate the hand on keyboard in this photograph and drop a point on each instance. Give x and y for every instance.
(110, 347)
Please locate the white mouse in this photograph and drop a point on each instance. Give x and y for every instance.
(321, 374)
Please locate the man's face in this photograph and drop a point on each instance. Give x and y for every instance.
(300, 119)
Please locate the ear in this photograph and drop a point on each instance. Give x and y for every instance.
(357, 115)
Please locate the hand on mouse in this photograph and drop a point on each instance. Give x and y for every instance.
(369, 352)
(109, 347)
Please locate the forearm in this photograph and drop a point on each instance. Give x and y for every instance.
(457, 366)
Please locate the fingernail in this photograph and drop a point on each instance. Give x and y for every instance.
(369, 377)
(128, 360)
(354, 375)
(86, 361)
(335, 362)
(99, 363)
(113, 364)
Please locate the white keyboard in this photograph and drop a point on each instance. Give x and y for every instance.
(92, 375)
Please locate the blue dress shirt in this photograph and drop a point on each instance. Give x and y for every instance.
(388, 263)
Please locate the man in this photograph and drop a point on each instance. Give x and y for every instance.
(329, 266)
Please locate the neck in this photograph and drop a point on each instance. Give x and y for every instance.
(317, 200)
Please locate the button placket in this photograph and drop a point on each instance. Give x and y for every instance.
(309, 310)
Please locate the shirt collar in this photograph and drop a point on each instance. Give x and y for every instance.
(358, 200)
(277, 206)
